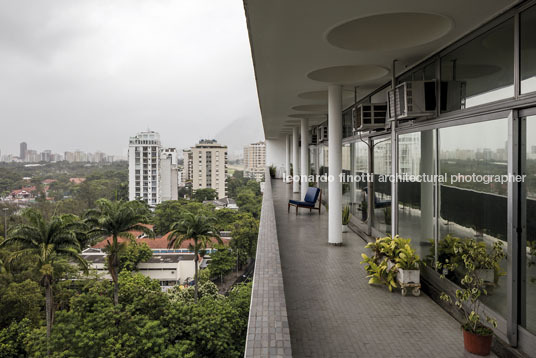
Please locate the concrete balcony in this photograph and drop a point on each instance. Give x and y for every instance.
(311, 299)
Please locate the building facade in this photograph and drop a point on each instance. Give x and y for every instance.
(255, 161)
(152, 169)
(23, 150)
(208, 162)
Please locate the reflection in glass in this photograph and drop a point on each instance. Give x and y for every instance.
(415, 199)
(530, 252)
(360, 167)
(528, 50)
(480, 71)
(346, 170)
(472, 209)
(323, 170)
(382, 185)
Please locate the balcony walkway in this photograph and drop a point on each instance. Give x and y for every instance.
(333, 312)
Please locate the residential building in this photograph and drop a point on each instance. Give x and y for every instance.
(187, 170)
(456, 81)
(208, 161)
(169, 174)
(169, 266)
(255, 161)
(143, 167)
(23, 150)
(153, 170)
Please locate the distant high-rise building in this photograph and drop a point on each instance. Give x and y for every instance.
(169, 174)
(255, 161)
(187, 165)
(23, 150)
(208, 161)
(152, 170)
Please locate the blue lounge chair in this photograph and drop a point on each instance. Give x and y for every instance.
(309, 202)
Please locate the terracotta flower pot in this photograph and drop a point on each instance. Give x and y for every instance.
(479, 345)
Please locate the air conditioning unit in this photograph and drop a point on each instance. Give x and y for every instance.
(369, 116)
(412, 99)
(322, 133)
(453, 95)
(314, 136)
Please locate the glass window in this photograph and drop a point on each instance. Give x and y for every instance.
(346, 171)
(360, 169)
(416, 198)
(528, 50)
(382, 185)
(470, 205)
(323, 169)
(480, 71)
(347, 125)
(530, 182)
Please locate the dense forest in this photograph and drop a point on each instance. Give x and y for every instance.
(52, 305)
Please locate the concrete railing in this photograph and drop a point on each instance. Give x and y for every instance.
(268, 331)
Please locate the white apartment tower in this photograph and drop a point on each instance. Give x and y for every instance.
(169, 174)
(255, 161)
(208, 162)
(143, 167)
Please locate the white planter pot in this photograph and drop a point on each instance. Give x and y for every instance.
(345, 228)
(486, 275)
(408, 276)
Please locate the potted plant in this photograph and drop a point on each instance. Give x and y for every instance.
(477, 336)
(378, 273)
(407, 264)
(272, 171)
(345, 218)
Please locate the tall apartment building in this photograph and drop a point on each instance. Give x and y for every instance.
(23, 150)
(169, 174)
(152, 170)
(187, 169)
(208, 161)
(255, 161)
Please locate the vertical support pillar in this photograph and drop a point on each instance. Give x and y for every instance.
(335, 164)
(304, 155)
(515, 228)
(394, 162)
(427, 188)
(295, 183)
(287, 155)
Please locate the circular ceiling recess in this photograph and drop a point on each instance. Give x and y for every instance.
(392, 31)
(347, 75)
(311, 108)
(322, 95)
(306, 115)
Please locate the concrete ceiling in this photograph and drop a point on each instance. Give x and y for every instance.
(299, 46)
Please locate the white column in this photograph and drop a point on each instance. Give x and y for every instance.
(335, 164)
(304, 167)
(295, 166)
(287, 155)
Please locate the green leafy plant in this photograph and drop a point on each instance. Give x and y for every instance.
(467, 298)
(378, 273)
(346, 215)
(272, 171)
(407, 258)
(532, 260)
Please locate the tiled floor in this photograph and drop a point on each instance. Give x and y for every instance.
(333, 312)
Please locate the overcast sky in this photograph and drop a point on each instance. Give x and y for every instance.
(87, 74)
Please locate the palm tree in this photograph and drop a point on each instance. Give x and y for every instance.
(51, 243)
(116, 219)
(201, 229)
